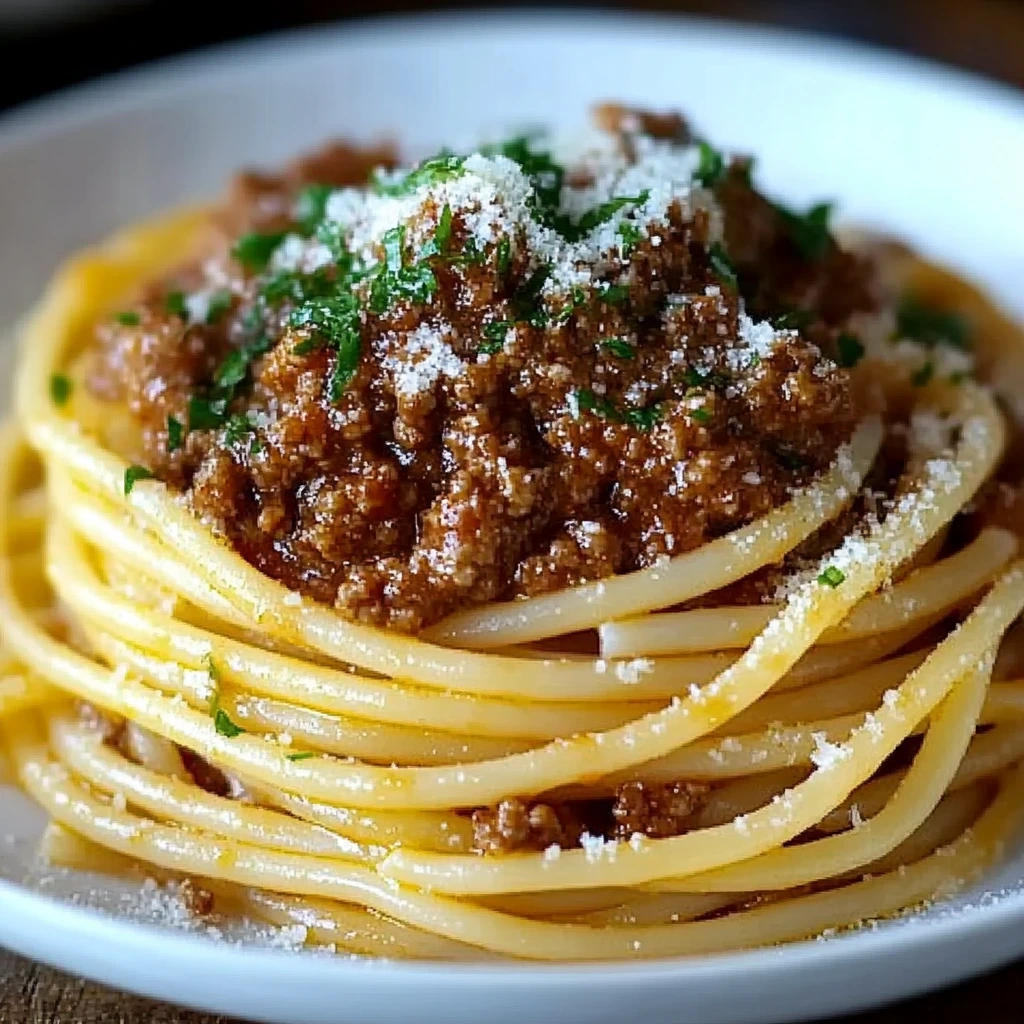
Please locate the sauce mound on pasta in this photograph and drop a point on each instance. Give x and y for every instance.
(409, 392)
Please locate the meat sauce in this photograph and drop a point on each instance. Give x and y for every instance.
(493, 407)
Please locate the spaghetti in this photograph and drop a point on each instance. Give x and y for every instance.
(745, 770)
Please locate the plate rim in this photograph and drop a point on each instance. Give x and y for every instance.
(195, 70)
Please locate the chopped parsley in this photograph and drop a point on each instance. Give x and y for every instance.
(132, 475)
(700, 415)
(711, 167)
(526, 304)
(61, 387)
(600, 214)
(442, 167)
(254, 250)
(613, 294)
(300, 755)
(128, 318)
(577, 298)
(206, 413)
(221, 719)
(699, 379)
(233, 369)
(311, 207)
(174, 303)
(630, 234)
(443, 231)
(809, 231)
(620, 348)
(494, 337)
(584, 400)
(335, 323)
(721, 266)
(237, 429)
(398, 280)
(219, 303)
(175, 434)
(504, 263)
(831, 577)
(545, 175)
(923, 375)
(224, 726)
(917, 321)
(849, 349)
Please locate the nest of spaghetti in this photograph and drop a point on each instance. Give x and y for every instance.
(556, 552)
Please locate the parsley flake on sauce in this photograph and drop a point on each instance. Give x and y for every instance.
(254, 250)
(175, 434)
(922, 376)
(931, 327)
(132, 475)
(300, 755)
(174, 303)
(439, 168)
(61, 387)
(849, 349)
(831, 577)
(128, 318)
(620, 348)
(600, 214)
(711, 167)
(721, 266)
(221, 719)
(809, 231)
(311, 207)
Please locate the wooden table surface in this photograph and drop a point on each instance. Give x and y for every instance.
(983, 35)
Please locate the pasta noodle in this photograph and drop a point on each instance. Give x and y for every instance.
(343, 760)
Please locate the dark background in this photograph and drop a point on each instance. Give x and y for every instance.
(48, 44)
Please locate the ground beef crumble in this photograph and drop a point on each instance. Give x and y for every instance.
(594, 440)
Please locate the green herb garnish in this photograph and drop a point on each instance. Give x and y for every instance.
(923, 375)
(831, 577)
(931, 327)
(175, 434)
(396, 280)
(504, 257)
(711, 167)
(61, 387)
(849, 349)
(300, 755)
(237, 429)
(620, 348)
(494, 337)
(614, 294)
(700, 379)
(526, 304)
(127, 318)
(311, 207)
(221, 720)
(254, 250)
(133, 474)
(630, 234)
(224, 726)
(600, 214)
(233, 369)
(335, 323)
(440, 168)
(206, 413)
(584, 400)
(219, 303)
(721, 266)
(174, 303)
(700, 415)
(809, 231)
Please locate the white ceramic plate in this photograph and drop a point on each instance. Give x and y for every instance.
(928, 153)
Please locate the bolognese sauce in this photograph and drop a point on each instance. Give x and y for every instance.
(494, 375)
